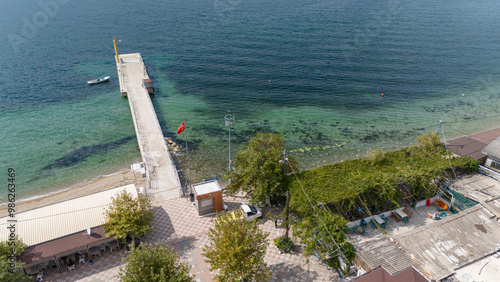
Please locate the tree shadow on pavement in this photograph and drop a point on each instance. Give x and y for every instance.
(162, 227)
(288, 272)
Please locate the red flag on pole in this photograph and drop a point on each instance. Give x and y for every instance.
(181, 128)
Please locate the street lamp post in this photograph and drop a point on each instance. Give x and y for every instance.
(229, 118)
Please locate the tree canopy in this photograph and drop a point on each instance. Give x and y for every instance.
(259, 168)
(127, 216)
(322, 233)
(379, 181)
(357, 188)
(236, 248)
(151, 263)
(10, 266)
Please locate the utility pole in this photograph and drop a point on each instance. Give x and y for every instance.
(440, 124)
(287, 196)
(287, 213)
(284, 162)
(229, 118)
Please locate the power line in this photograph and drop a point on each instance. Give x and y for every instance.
(315, 212)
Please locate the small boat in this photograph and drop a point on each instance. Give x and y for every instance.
(441, 204)
(98, 80)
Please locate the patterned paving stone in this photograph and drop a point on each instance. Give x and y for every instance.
(177, 223)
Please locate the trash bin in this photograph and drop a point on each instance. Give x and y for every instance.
(191, 197)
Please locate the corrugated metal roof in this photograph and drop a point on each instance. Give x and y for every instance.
(206, 187)
(493, 206)
(61, 219)
(458, 239)
(381, 251)
(493, 149)
(482, 189)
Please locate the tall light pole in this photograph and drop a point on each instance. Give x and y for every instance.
(229, 118)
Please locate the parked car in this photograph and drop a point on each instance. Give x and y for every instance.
(250, 212)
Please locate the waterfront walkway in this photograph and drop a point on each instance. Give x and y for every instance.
(163, 180)
(176, 223)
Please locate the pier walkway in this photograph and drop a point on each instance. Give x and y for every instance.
(163, 179)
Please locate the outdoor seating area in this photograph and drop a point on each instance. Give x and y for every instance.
(378, 220)
(361, 230)
(76, 261)
(400, 215)
(397, 223)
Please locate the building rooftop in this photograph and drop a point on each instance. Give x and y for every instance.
(61, 219)
(410, 274)
(459, 239)
(206, 187)
(485, 269)
(380, 251)
(482, 189)
(51, 249)
(493, 149)
(473, 144)
(466, 146)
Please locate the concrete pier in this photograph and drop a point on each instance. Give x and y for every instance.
(162, 175)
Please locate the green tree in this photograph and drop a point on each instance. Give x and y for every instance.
(375, 156)
(10, 266)
(237, 248)
(429, 142)
(259, 169)
(325, 237)
(128, 216)
(157, 262)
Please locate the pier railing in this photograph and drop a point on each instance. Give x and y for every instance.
(154, 151)
(149, 163)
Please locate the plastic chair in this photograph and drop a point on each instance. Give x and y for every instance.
(81, 259)
(39, 276)
(373, 224)
(383, 217)
(71, 268)
(354, 229)
(363, 222)
(43, 266)
(361, 230)
(383, 225)
(113, 247)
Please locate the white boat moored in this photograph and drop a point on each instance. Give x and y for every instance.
(98, 80)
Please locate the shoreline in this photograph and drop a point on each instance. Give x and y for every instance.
(101, 183)
(63, 188)
(98, 184)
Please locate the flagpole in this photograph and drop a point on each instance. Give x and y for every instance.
(187, 153)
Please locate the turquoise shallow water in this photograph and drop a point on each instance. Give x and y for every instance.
(313, 70)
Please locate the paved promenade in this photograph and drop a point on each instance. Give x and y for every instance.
(177, 224)
(162, 176)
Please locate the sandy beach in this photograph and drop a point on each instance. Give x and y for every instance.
(78, 190)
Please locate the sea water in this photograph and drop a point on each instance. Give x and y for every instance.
(312, 70)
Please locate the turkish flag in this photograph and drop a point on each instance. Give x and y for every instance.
(181, 128)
